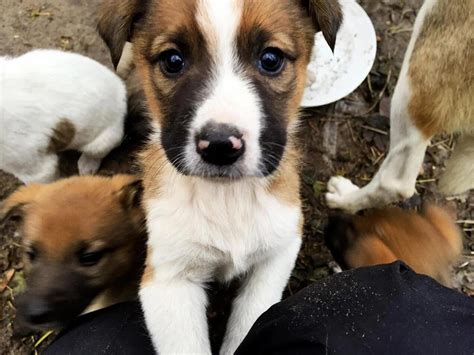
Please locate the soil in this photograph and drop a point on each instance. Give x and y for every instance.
(348, 138)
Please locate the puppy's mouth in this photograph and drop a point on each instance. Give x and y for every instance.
(38, 313)
(209, 171)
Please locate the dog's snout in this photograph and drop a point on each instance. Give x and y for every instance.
(220, 144)
(38, 311)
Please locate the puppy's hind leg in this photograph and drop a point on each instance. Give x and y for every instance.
(459, 175)
(98, 149)
(396, 178)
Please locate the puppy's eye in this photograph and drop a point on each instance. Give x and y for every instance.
(171, 62)
(32, 254)
(88, 259)
(271, 61)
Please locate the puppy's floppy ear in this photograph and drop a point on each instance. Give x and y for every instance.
(327, 17)
(13, 208)
(131, 195)
(116, 22)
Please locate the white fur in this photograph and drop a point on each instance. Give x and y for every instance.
(201, 230)
(396, 177)
(38, 90)
(231, 99)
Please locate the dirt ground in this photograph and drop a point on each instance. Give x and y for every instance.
(349, 137)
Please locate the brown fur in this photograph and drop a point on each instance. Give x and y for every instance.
(285, 184)
(429, 242)
(63, 134)
(442, 70)
(290, 31)
(149, 271)
(75, 215)
(327, 17)
(116, 24)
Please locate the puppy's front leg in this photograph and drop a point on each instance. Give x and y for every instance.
(262, 288)
(175, 314)
(394, 181)
(396, 178)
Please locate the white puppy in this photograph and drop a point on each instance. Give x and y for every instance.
(51, 101)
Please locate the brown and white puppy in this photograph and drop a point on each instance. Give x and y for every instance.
(434, 94)
(429, 242)
(84, 246)
(223, 80)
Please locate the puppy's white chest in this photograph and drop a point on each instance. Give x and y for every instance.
(219, 230)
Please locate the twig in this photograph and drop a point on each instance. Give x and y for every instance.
(382, 92)
(369, 83)
(425, 181)
(351, 131)
(375, 130)
(381, 156)
(394, 31)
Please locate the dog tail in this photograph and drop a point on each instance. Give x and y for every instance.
(447, 228)
(459, 175)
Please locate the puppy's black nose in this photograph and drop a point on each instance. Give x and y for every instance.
(37, 312)
(220, 144)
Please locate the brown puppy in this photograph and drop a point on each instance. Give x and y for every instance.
(84, 245)
(429, 242)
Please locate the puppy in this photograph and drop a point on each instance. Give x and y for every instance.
(434, 94)
(429, 242)
(84, 246)
(223, 81)
(53, 101)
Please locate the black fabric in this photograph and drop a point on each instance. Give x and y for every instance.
(117, 330)
(379, 310)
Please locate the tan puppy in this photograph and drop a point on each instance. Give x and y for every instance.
(224, 81)
(434, 94)
(429, 242)
(84, 246)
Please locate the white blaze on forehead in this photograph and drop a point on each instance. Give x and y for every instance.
(219, 21)
(232, 98)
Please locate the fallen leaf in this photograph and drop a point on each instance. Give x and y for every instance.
(6, 279)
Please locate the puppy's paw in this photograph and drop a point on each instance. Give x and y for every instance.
(341, 186)
(339, 190)
(88, 165)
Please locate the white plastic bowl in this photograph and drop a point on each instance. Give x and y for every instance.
(334, 76)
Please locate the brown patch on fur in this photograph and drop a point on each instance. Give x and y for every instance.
(285, 183)
(287, 27)
(301, 225)
(169, 25)
(149, 272)
(156, 168)
(429, 242)
(63, 134)
(442, 70)
(73, 210)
